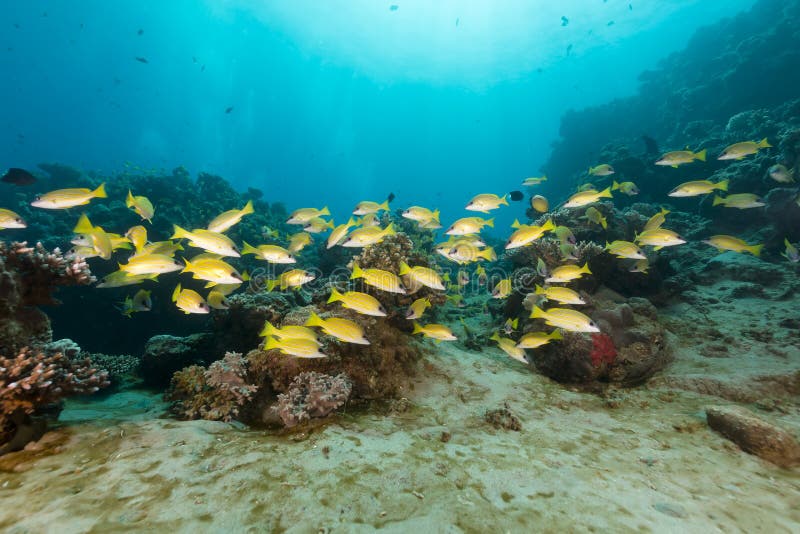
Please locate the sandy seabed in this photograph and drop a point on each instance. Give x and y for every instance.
(639, 459)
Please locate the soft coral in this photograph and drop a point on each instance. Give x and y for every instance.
(603, 349)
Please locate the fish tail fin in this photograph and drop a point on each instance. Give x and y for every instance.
(539, 290)
(245, 276)
(764, 143)
(384, 205)
(100, 192)
(129, 199)
(247, 248)
(490, 223)
(495, 337)
(436, 215)
(515, 224)
(335, 296)
(755, 250)
(271, 343)
(489, 254)
(664, 211)
(314, 320)
(544, 177)
(271, 284)
(351, 222)
(504, 200)
(329, 224)
(187, 267)
(585, 268)
(417, 328)
(700, 155)
(515, 323)
(606, 193)
(178, 232)
(83, 226)
(248, 208)
(268, 330)
(549, 225)
(604, 223)
(614, 185)
(556, 334)
(404, 268)
(723, 185)
(176, 293)
(389, 230)
(717, 200)
(538, 313)
(325, 211)
(357, 272)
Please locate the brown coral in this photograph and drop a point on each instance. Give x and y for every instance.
(312, 395)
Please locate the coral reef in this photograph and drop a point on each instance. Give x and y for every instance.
(503, 418)
(312, 395)
(165, 354)
(216, 393)
(33, 382)
(28, 278)
(631, 348)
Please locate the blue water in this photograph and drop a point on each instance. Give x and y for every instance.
(333, 102)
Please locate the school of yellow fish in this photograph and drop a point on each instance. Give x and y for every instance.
(463, 245)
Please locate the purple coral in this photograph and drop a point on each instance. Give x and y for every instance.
(312, 395)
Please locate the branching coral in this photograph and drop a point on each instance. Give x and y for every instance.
(216, 393)
(32, 380)
(312, 395)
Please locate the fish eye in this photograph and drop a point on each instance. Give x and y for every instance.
(18, 219)
(37, 197)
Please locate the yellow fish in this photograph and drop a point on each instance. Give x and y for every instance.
(655, 222)
(625, 249)
(289, 332)
(466, 253)
(509, 346)
(681, 157)
(151, 264)
(627, 188)
(604, 169)
(138, 236)
(363, 237)
(141, 205)
(740, 201)
(417, 308)
(420, 214)
(212, 270)
(486, 202)
(342, 329)
(540, 204)
(368, 206)
(423, 275)
(469, 225)
(640, 266)
(270, 253)
(165, 248)
(566, 319)
(526, 234)
(300, 348)
(791, 254)
(339, 232)
(378, 278)
(9, 219)
(227, 219)
(502, 289)
(93, 236)
(744, 149)
(567, 273)
(659, 238)
(698, 187)
(370, 219)
(68, 198)
(317, 225)
(437, 332)
(534, 340)
(303, 215)
(565, 235)
(208, 240)
(589, 196)
(562, 295)
(298, 242)
(189, 301)
(534, 180)
(293, 278)
(595, 216)
(781, 174)
(359, 302)
(217, 300)
(727, 242)
(141, 302)
(121, 278)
